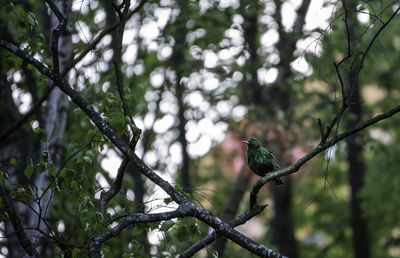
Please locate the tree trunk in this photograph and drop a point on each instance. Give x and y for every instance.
(232, 205)
(55, 122)
(356, 176)
(139, 192)
(282, 223)
(178, 60)
(354, 151)
(18, 146)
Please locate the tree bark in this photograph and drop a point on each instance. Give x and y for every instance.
(356, 176)
(355, 148)
(282, 225)
(18, 145)
(177, 60)
(232, 205)
(55, 121)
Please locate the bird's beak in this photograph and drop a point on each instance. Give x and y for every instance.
(246, 142)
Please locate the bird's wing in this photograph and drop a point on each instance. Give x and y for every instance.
(266, 157)
(271, 157)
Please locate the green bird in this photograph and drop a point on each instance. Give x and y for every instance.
(260, 160)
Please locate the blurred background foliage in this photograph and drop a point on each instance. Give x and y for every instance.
(199, 77)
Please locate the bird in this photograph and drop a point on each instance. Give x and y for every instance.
(260, 160)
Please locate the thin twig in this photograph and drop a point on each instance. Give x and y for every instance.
(62, 24)
(26, 116)
(117, 67)
(320, 148)
(364, 54)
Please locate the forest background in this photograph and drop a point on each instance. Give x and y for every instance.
(121, 128)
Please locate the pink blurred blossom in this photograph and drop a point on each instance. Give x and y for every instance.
(231, 144)
(238, 162)
(297, 153)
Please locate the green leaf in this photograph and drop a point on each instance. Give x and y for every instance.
(74, 184)
(31, 67)
(29, 169)
(43, 188)
(167, 225)
(187, 195)
(21, 190)
(52, 170)
(76, 252)
(87, 159)
(45, 157)
(29, 190)
(41, 168)
(31, 18)
(212, 253)
(168, 201)
(13, 162)
(178, 188)
(106, 248)
(38, 130)
(7, 185)
(153, 225)
(89, 153)
(139, 227)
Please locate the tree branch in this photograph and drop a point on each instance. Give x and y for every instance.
(239, 220)
(94, 251)
(116, 187)
(364, 54)
(221, 227)
(323, 144)
(62, 23)
(118, 74)
(16, 223)
(320, 148)
(26, 116)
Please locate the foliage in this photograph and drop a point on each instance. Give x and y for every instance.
(214, 67)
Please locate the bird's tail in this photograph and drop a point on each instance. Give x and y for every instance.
(278, 181)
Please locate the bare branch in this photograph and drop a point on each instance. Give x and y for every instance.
(346, 22)
(365, 53)
(26, 116)
(62, 23)
(132, 219)
(323, 144)
(220, 226)
(116, 187)
(96, 119)
(100, 36)
(239, 220)
(117, 67)
(320, 148)
(321, 128)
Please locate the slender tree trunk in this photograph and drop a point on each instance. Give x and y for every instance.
(232, 205)
(282, 226)
(361, 243)
(185, 176)
(282, 223)
(178, 60)
(139, 192)
(356, 175)
(18, 145)
(55, 121)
